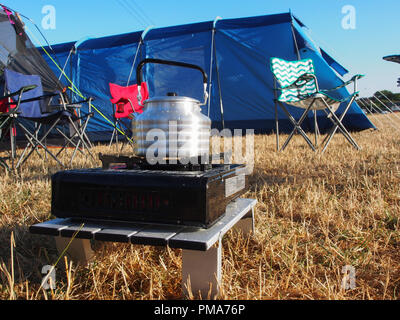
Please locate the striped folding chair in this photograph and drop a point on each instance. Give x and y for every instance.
(299, 88)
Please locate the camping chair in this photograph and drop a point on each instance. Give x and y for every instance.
(37, 108)
(125, 104)
(299, 88)
(7, 113)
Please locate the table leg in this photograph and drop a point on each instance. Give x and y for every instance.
(246, 224)
(79, 251)
(200, 270)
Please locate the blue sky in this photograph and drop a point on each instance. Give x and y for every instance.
(376, 33)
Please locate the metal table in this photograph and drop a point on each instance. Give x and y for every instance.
(201, 248)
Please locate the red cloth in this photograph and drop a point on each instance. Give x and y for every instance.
(4, 106)
(122, 95)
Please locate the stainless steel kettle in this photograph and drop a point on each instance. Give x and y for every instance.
(171, 126)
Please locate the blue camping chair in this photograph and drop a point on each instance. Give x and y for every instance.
(299, 88)
(39, 109)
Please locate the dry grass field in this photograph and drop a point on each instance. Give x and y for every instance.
(315, 214)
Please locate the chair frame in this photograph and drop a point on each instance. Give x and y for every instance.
(8, 119)
(79, 130)
(79, 125)
(119, 125)
(330, 112)
(125, 100)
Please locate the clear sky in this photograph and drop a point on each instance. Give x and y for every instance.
(375, 30)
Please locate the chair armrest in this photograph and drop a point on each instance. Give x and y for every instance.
(20, 91)
(352, 80)
(78, 104)
(15, 110)
(40, 97)
(357, 76)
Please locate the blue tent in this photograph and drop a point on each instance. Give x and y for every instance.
(235, 53)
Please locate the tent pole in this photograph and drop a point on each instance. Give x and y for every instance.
(210, 77)
(316, 128)
(295, 42)
(394, 124)
(390, 110)
(71, 94)
(379, 109)
(134, 61)
(141, 41)
(372, 105)
(387, 98)
(365, 104)
(211, 63)
(219, 88)
(376, 107)
(65, 64)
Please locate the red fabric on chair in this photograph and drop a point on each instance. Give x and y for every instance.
(3, 106)
(123, 97)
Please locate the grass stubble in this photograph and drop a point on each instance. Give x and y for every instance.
(316, 214)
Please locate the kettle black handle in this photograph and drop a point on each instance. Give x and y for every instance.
(170, 63)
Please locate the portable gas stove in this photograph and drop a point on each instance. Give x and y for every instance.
(135, 191)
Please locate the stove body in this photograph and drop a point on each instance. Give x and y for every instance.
(170, 194)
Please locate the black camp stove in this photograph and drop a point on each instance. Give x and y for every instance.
(130, 189)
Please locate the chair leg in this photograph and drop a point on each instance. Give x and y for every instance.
(34, 142)
(112, 138)
(276, 126)
(76, 129)
(297, 127)
(81, 139)
(343, 130)
(69, 141)
(13, 144)
(202, 270)
(115, 133)
(316, 130)
(89, 143)
(339, 125)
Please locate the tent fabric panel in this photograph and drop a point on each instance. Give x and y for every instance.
(111, 41)
(189, 48)
(253, 22)
(59, 48)
(333, 63)
(181, 30)
(98, 68)
(243, 59)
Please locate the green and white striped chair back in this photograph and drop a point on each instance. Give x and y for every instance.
(287, 72)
